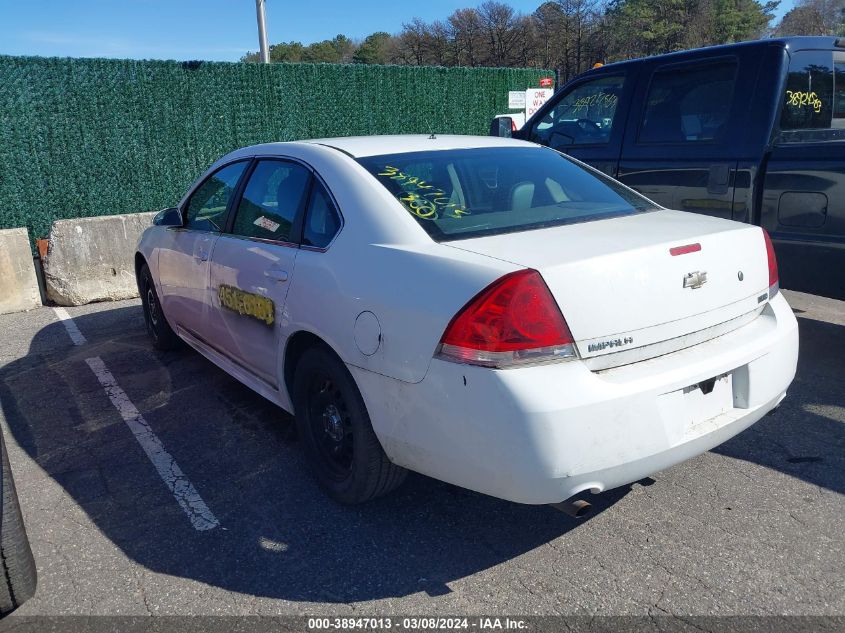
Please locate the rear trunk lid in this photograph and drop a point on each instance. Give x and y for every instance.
(620, 286)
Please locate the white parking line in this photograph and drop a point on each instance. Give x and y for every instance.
(70, 326)
(183, 490)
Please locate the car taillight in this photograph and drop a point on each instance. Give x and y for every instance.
(514, 321)
(774, 279)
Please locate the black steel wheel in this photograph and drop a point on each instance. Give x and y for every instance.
(161, 334)
(331, 425)
(342, 449)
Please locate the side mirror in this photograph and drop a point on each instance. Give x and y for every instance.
(502, 126)
(168, 217)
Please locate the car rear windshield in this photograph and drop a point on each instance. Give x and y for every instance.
(459, 194)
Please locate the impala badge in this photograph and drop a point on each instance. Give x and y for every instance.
(695, 280)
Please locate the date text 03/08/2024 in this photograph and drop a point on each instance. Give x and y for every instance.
(479, 623)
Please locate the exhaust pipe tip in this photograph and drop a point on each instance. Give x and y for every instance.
(577, 509)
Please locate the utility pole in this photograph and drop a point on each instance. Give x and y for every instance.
(262, 32)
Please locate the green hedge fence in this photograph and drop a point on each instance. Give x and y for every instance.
(83, 137)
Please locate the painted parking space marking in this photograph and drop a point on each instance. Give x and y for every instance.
(183, 490)
(201, 517)
(72, 331)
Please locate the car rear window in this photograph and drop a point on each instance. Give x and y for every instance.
(459, 194)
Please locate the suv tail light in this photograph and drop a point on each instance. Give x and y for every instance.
(514, 321)
(774, 279)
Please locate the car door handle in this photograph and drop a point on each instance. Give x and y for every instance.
(276, 274)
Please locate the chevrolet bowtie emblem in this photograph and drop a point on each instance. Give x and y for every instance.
(695, 280)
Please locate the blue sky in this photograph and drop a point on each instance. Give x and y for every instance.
(201, 29)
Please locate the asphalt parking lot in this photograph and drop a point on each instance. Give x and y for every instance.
(753, 527)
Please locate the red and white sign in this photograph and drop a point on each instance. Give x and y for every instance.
(546, 82)
(535, 98)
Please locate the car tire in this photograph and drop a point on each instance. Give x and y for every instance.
(162, 335)
(18, 565)
(333, 424)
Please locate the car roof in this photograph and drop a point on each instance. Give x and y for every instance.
(361, 146)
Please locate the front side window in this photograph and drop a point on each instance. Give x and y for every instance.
(274, 194)
(458, 194)
(688, 105)
(584, 116)
(206, 208)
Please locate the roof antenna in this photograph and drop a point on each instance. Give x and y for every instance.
(433, 136)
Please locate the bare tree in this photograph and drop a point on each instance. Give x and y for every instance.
(525, 42)
(548, 25)
(814, 17)
(566, 35)
(411, 44)
(499, 23)
(438, 44)
(466, 32)
(579, 20)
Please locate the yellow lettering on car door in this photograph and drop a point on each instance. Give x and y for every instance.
(247, 303)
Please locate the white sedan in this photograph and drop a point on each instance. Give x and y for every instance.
(485, 311)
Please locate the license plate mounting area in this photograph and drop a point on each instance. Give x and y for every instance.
(698, 408)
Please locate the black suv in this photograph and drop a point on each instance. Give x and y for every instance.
(753, 131)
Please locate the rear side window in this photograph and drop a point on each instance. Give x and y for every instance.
(274, 194)
(814, 99)
(458, 194)
(206, 208)
(688, 105)
(839, 94)
(322, 221)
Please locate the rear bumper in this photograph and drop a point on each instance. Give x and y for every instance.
(542, 434)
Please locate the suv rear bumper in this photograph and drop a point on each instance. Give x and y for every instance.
(545, 433)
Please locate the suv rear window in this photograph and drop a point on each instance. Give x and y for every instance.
(812, 100)
(459, 194)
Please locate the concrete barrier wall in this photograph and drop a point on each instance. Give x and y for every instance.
(18, 283)
(92, 259)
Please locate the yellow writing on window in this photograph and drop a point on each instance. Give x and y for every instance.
(800, 99)
(422, 198)
(603, 99)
